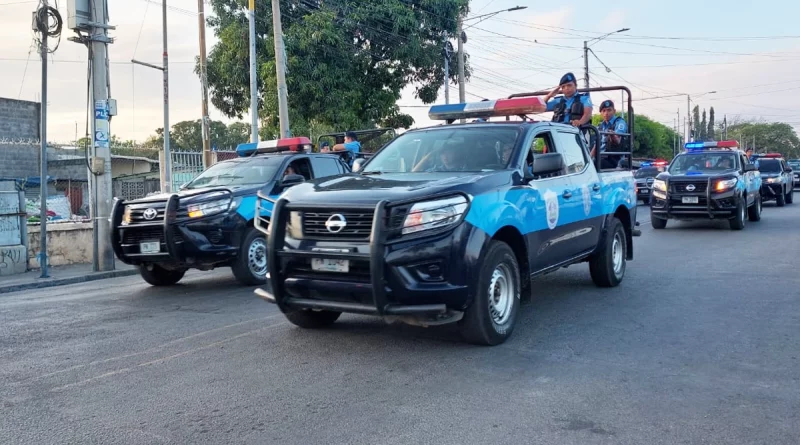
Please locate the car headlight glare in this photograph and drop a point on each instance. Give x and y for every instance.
(434, 214)
(209, 208)
(660, 185)
(773, 180)
(725, 184)
(126, 216)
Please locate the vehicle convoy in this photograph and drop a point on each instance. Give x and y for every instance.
(709, 180)
(645, 176)
(450, 223)
(777, 183)
(209, 222)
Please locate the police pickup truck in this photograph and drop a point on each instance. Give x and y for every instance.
(777, 183)
(450, 224)
(709, 180)
(209, 223)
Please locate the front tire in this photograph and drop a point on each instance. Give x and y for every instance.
(491, 318)
(250, 266)
(156, 275)
(738, 222)
(789, 197)
(754, 212)
(780, 200)
(607, 265)
(310, 319)
(657, 223)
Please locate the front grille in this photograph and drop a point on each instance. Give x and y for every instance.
(358, 224)
(650, 182)
(680, 187)
(140, 235)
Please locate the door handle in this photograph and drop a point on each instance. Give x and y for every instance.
(596, 187)
(567, 194)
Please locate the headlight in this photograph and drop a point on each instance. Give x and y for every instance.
(126, 216)
(660, 185)
(773, 180)
(209, 208)
(725, 184)
(434, 214)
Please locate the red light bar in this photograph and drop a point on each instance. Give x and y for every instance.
(523, 105)
(773, 155)
(728, 144)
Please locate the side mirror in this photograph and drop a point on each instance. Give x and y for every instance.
(291, 181)
(358, 163)
(548, 163)
(749, 168)
(788, 169)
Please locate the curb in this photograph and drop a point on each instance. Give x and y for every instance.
(69, 280)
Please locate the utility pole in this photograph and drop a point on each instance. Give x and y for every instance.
(251, 17)
(446, 51)
(167, 152)
(688, 118)
(585, 64)
(462, 88)
(725, 127)
(102, 153)
(280, 67)
(201, 22)
(43, 25)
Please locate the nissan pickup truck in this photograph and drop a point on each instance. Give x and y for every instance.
(709, 180)
(777, 182)
(210, 221)
(450, 224)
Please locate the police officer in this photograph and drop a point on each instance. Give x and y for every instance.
(572, 107)
(611, 142)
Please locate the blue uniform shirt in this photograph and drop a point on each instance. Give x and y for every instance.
(617, 124)
(585, 100)
(354, 146)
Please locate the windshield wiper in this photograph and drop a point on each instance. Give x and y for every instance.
(374, 172)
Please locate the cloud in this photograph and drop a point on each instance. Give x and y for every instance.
(614, 20)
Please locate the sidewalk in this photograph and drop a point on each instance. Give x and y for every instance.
(61, 275)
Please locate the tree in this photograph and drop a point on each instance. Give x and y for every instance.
(711, 135)
(188, 136)
(769, 137)
(696, 122)
(650, 138)
(703, 128)
(347, 62)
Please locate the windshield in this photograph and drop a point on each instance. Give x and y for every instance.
(650, 172)
(237, 172)
(769, 165)
(702, 163)
(794, 164)
(462, 149)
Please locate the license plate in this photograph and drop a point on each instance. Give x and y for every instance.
(645, 191)
(690, 200)
(330, 265)
(150, 247)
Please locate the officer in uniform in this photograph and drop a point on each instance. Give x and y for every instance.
(611, 142)
(572, 107)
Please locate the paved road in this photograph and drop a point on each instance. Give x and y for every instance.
(700, 344)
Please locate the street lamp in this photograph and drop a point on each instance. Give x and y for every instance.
(462, 38)
(586, 53)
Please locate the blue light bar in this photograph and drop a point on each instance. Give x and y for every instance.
(246, 149)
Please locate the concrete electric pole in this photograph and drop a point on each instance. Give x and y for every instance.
(462, 87)
(102, 135)
(42, 25)
(206, 122)
(251, 17)
(280, 67)
(446, 51)
(585, 64)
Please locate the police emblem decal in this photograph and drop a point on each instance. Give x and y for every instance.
(551, 208)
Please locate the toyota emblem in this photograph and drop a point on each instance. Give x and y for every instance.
(336, 223)
(690, 188)
(150, 214)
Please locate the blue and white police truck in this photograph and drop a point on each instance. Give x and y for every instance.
(450, 224)
(210, 221)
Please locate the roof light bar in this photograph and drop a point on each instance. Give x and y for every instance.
(711, 144)
(769, 155)
(275, 146)
(487, 109)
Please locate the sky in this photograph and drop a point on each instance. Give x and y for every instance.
(748, 54)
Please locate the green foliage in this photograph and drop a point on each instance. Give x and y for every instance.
(711, 136)
(188, 136)
(347, 61)
(650, 139)
(703, 129)
(769, 137)
(696, 122)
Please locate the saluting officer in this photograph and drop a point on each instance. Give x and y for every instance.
(571, 108)
(611, 142)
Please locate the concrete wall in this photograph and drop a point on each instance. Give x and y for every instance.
(19, 160)
(75, 169)
(67, 243)
(19, 119)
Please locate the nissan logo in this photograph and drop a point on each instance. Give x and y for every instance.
(690, 188)
(336, 223)
(150, 214)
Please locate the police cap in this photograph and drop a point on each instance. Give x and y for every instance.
(606, 104)
(566, 78)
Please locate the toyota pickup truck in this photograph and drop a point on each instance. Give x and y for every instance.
(210, 222)
(450, 224)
